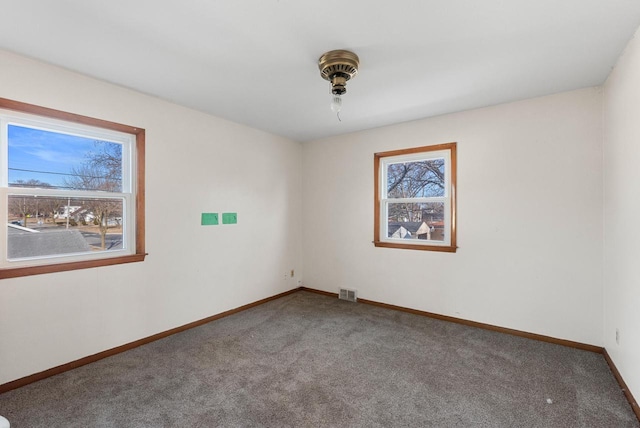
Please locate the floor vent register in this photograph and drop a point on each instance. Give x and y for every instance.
(347, 294)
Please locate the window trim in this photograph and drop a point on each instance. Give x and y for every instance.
(377, 188)
(139, 177)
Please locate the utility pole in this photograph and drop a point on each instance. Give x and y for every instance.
(68, 211)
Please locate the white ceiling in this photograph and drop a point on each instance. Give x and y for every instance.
(255, 61)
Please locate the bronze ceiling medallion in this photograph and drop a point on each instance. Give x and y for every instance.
(338, 67)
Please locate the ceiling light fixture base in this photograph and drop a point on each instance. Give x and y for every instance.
(338, 67)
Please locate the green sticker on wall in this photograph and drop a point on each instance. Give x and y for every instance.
(229, 218)
(209, 219)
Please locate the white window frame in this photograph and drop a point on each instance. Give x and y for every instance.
(132, 193)
(381, 162)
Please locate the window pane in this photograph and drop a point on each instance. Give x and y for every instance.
(416, 221)
(46, 226)
(420, 179)
(47, 159)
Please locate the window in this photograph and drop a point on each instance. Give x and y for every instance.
(72, 189)
(415, 205)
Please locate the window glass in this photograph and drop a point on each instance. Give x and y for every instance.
(416, 179)
(45, 159)
(76, 200)
(416, 221)
(47, 226)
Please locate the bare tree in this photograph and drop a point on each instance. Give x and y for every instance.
(411, 180)
(26, 206)
(101, 172)
(51, 206)
(107, 158)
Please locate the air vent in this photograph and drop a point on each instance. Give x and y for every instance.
(347, 294)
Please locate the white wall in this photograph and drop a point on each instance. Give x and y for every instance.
(195, 163)
(622, 215)
(529, 218)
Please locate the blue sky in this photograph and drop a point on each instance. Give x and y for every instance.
(52, 153)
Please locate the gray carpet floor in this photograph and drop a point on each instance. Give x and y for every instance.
(308, 360)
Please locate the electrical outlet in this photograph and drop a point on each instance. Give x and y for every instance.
(292, 273)
(617, 336)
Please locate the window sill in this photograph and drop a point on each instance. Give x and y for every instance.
(63, 267)
(440, 248)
